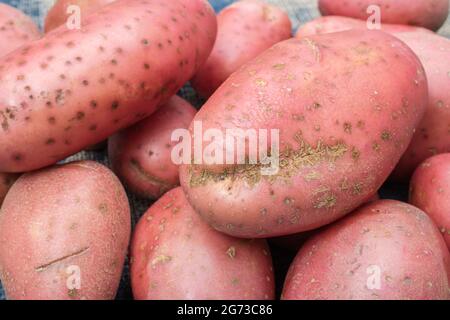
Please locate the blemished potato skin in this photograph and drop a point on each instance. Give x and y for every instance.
(329, 24)
(176, 255)
(430, 191)
(125, 61)
(433, 134)
(430, 14)
(58, 14)
(6, 181)
(245, 29)
(141, 155)
(16, 29)
(346, 106)
(387, 250)
(61, 224)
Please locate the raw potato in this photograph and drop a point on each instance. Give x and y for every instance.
(346, 105)
(74, 88)
(141, 155)
(385, 250)
(245, 29)
(60, 225)
(59, 13)
(16, 29)
(433, 134)
(430, 191)
(331, 24)
(430, 14)
(175, 255)
(6, 181)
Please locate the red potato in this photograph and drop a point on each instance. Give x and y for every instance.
(433, 134)
(58, 14)
(430, 14)
(6, 181)
(430, 191)
(387, 250)
(346, 106)
(128, 58)
(141, 154)
(16, 29)
(175, 255)
(331, 24)
(64, 234)
(245, 29)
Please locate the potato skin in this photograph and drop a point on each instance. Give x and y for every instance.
(433, 134)
(430, 191)
(342, 131)
(16, 29)
(70, 215)
(329, 24)
(58, 15)
(176, 255)
(6, 181)
(141, 155)
(388, 238)
(245, 29)
(430, 14)
(115, 71)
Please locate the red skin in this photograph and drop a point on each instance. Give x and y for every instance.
(430, 191)
(76, 213)
(16, 29)
(58, 15)
(395, 237)
(112, 73)
(430, 14)
(6, 181)
(176, 255)
(245, 29)
(141, 155)
(331, 24)
(371, 117)
(433, 134)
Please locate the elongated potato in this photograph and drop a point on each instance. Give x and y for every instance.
(74, 88)
(385, 250)
(329, 24)
(433, 134)
(64, 234)
(176, 255)
(430, 191)
(16, 29)
(58, 14)
(430, 14)
(345, 106)
(245, 29)
(141, 155)
(6, 181)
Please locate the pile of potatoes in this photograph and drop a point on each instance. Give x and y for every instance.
(353, 108)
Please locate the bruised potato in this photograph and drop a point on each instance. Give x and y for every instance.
(64, 234)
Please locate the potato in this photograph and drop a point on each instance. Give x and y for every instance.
(331, 24)
(245, 29)
(385, 250)
(346, 106)
(141, 154)
(430, 191)
(74, 88)
(16, 29)
(430, 14)
(64, 234)
(60, 13)
(433, 134)
(6, 181)
(175, 255)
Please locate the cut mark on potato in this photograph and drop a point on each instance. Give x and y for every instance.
(53, 262)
